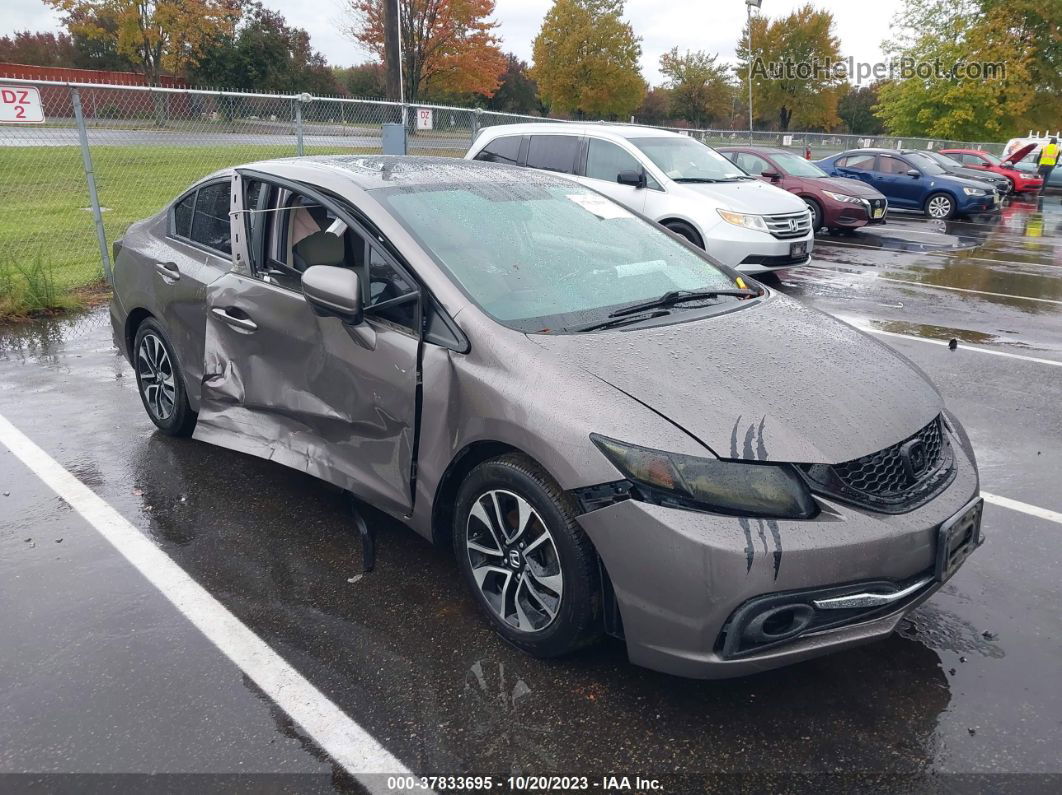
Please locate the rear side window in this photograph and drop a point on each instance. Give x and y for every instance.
(605, 161)
(857, 162)
(210, 222)
(182, 216)
(553, 152)
(502, 150)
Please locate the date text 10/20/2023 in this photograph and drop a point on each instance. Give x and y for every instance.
(523, 783)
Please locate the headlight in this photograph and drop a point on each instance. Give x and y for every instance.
(731, 487)
(840, 197)
(974, 191)
(743, 219)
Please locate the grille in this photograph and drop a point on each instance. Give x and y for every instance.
(789, 224)
(899, 478)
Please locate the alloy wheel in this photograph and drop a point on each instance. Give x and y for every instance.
(514, 560)
(155, 375)
(939, 207)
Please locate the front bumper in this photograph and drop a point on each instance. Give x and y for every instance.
(679, 576)
(845, 215)
(750, 251)
(979, 204)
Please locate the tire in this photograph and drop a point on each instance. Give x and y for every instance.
(685, 230)
(543, 597)
(816, 215)
(160, 382)
(940, 206)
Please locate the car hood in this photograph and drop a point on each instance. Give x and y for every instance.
(1019, 154)
(774, 382)
(746, 196)
(849, 187)
(977, 176)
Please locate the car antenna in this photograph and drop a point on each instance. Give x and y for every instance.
(368, 537)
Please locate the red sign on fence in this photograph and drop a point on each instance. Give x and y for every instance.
(20, 105)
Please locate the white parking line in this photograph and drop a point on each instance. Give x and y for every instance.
(1024, 507)
(333, 730)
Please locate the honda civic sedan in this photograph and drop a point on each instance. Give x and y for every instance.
(613, 433)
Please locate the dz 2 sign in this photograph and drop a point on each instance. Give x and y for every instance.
(20, 105)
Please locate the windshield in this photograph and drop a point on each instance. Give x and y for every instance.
(796, 166)
(925, 163)
(685, 160)
(548, 257)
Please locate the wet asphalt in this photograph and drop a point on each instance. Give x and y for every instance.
(100, 674)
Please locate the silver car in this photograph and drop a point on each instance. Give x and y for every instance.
(615, 434)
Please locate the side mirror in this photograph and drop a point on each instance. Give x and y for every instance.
(635, 179)
(914, 172)
(773, 176)
(333, 292)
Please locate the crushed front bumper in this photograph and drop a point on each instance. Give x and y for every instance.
(681, 576)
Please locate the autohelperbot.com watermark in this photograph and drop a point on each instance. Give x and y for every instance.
(863, 71)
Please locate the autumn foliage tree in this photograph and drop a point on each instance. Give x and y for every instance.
(701, 90)
(586, 59)
(157, 36)
(448, 46)
(796, 99)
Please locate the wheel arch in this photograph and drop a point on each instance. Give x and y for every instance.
(132, 324)
(677, 219)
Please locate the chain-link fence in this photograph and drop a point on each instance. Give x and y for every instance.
(108, 155)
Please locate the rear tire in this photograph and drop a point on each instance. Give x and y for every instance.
(685, 230)
(160, 381)
(531, 568)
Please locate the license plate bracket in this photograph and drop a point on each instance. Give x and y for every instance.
(957, 538)
(798, 249)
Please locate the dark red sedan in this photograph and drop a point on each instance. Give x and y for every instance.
(835, 202)
(986, 161)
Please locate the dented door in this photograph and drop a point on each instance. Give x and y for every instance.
(309, 392)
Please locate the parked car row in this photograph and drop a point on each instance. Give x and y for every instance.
(614, 432)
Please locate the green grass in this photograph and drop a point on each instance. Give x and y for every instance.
(47, 230)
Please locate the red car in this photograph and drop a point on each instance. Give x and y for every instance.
(985, 161)
(835, 202)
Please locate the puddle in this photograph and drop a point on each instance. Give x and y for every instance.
(931, 332)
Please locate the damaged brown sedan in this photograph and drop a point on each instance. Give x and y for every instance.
(614, 433)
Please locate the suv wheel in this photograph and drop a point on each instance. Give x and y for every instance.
(530, 566)
(160, 382)
(685, 230)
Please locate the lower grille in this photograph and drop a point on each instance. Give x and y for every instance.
(894, 480)
(789, 225)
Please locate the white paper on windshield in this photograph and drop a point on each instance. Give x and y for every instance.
(641, 268)
(599, 206)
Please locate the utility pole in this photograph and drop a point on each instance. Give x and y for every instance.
(392, 51)
(749, 5)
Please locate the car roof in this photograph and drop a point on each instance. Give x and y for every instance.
(578, 128)
(370, 172)
(769, 150)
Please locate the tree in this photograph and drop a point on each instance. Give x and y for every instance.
(265, 54)
(364, 80)
(785, 82)
(954, 97)
(586, 59)
(38, 49)
(700, 89)
(655, 107)
(856, 110)
(448, 46)
(157, 36)
(518, 92)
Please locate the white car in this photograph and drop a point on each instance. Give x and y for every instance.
(674, 180)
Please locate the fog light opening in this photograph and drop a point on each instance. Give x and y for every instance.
(779, 623)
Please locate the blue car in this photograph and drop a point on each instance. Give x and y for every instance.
(914, 183)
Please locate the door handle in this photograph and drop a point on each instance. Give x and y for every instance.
(226, 314)
(169, 271)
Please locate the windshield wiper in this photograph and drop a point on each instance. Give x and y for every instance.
(673, 297)
(696, 179)
(615, 322)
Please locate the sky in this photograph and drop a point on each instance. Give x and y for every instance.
(713, 26)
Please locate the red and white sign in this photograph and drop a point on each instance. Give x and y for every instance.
(424, 119)
(20, 105)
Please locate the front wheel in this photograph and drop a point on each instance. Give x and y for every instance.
(816, 215)
(940, 206)
(531, 568)
(686, 231)
(160, 382)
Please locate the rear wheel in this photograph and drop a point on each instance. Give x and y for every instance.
(160, 382)
(940, 206)
(685, 230)
(530, 566)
